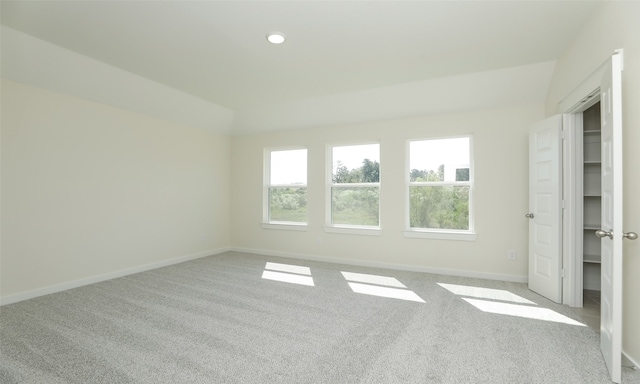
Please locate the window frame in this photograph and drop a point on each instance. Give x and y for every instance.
(437, 233)
(267, 223)
(330, 227)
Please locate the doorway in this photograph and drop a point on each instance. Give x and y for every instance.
(581, 261)
(588, 175)
(580, 200)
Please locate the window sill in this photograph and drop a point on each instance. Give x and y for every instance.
(372, 231)
(440, 235)
(286, 226)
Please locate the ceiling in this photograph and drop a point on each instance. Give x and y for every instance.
(217, 51)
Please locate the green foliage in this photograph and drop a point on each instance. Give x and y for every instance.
(288, 204)
(424, 175)
(440, 207)
(431, 206)
(368, 173)
(355, 206)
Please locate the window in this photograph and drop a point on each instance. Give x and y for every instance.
(355, 185)
(285, 186)
(440, 186)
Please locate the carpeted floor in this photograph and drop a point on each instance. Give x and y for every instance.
(217, 320)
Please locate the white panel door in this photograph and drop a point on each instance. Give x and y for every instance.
(545, 195)
(611, 226)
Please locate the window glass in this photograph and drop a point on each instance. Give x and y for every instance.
(440, 184)
(287, 186)
(289, 167)
(355, 185)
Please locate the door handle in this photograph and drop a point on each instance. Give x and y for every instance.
(601, 233)
(529, 215)
(630, 235)
(627, 235)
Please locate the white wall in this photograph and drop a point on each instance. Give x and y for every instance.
(29, 60)
(90, 191)
(501, 195)
(614, 25)
(501, 88)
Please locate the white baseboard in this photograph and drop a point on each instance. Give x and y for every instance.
(627, 361)
(378, 264)
(14, 298)
(107, 276)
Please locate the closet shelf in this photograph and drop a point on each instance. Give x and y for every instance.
(593, 259)
(591, 163)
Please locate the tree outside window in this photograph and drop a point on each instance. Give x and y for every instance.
(286, 187)
(355, 185)
(440, 184)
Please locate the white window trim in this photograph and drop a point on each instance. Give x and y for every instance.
(286, 225)
(353, 230)
(356, 185)
(440, 183)
(266, 179)
(436, 233)
(419, 233)
(329, 227)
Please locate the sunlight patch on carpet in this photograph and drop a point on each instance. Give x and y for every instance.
(485, 293)
(392, 293)
(381, 286)
(288, 273)
(288, 268)
(522, 311)
(373, 279)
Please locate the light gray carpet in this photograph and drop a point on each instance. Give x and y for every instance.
(215, 320)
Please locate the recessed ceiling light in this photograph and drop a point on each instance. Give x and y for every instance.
(276, 37)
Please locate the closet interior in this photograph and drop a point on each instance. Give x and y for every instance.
(592, 195)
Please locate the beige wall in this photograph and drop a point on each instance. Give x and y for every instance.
(89, 190)
(614, 25)
(500, 157)
(29, 60)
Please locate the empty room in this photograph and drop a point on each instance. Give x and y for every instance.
(319, 191)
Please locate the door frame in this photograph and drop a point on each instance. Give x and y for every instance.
(573, 171)
(585, 95)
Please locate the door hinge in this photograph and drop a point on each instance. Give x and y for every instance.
(562, 273)
(562, 133)
(564, 205)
